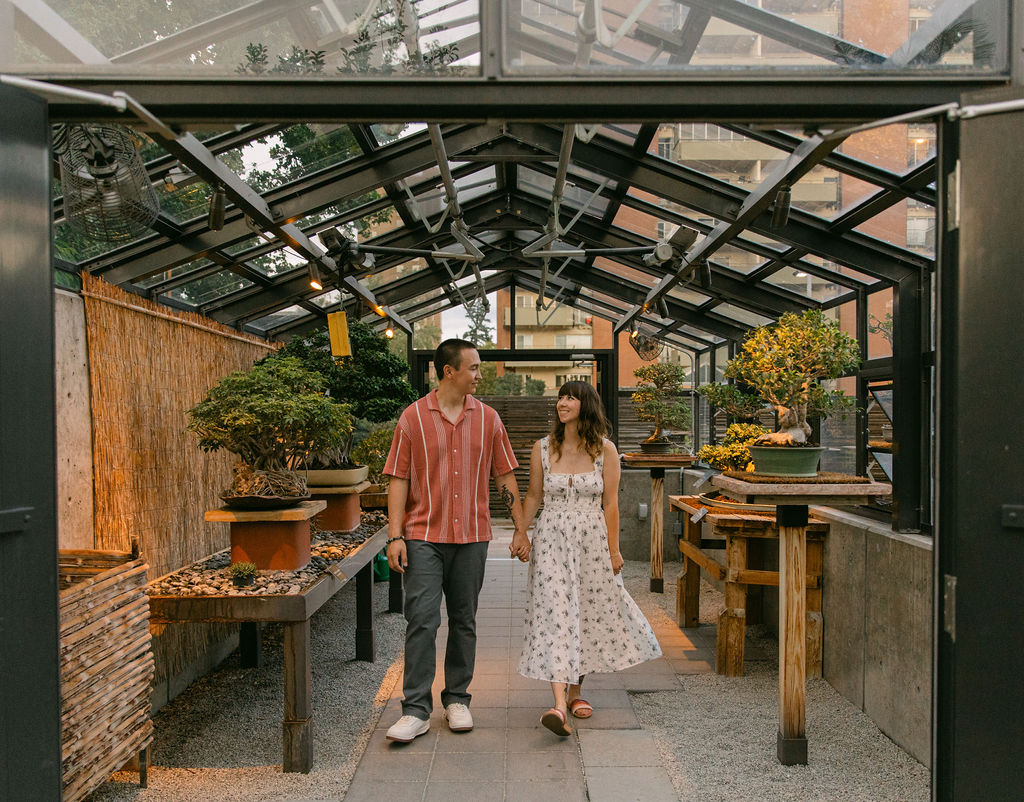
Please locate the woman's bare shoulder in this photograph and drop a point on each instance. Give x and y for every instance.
(610, 452)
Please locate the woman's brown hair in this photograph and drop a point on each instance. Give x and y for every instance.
(592, 426)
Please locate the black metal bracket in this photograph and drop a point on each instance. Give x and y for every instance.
(16, 519)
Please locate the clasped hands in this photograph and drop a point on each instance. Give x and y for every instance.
(520, 546)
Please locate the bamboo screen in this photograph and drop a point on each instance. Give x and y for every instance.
(147, 366)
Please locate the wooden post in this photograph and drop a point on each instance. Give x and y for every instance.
(657, 529)
(815, 623)
(298, 698)
(365, 649)
(688, 584)
(732, 622)
(792, 739)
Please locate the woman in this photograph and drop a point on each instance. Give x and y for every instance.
(579, 617)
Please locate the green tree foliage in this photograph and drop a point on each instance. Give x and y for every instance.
(372, 451)
(784, 364)
(735, 402)
(534, 387)
(659, 397)
(426, 336)
(372, 382)
(270, 416)
(479, 331)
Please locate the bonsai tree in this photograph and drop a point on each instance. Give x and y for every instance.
(372, 451)
(784, 364)
(732, 453)
(737, 404)
(271, 416)
(658, 398)
(372, 383)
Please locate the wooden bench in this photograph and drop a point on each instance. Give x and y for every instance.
(733, 529)
(293, 610)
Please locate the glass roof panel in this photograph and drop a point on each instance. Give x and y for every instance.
(621, 132)
(289, 314)
(718, 152)
(291, 154)
(208, 288)
(909, 228)
(775, 36)
(174, 272)
(239, 38)
(688, 296)
(328, 299)
(805, 284)
(741, 315)
(737, 259)
(840, 269)
(572, 195)
(386, 133)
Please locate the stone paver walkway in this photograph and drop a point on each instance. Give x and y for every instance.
(509, 756)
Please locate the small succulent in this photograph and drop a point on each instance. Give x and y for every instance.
(243, 573)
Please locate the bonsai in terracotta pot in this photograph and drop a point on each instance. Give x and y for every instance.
(659, 399)
(785, 364)
(271, 416)
(372, 383)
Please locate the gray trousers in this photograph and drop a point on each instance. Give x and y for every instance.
(458, 572)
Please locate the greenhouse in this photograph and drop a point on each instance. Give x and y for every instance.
(664, 200)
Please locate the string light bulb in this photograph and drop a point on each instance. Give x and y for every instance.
(314, 276)
(389, 333)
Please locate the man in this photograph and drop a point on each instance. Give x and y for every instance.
(446, 447)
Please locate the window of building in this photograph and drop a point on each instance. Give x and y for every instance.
(525, 301)
(524, 341)
(665, 147)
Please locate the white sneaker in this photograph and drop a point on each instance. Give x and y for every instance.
(407, 728)
(458, 717)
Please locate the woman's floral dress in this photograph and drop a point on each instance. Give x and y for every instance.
(579, 617)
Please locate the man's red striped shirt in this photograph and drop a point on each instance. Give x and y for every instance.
(449, 467)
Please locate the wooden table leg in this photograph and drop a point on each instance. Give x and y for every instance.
(688, 584)
(396, 593)
(657, 529)
(365, 649)
(732, 622)
(298, 698)
(792, 739)
(815, 623)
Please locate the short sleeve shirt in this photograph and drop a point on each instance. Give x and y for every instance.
(449, 467)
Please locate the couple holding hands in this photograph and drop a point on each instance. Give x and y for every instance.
(579, 617)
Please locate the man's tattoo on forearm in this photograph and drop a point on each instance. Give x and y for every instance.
(506, 497)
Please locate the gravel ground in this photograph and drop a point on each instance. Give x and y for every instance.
(717, 735)
(220, 741)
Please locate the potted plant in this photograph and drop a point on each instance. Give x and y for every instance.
(372, 451)
(243, 574)
(272, 416)
(372, 383)
(785, 364)
(733, 453)
(659, 398)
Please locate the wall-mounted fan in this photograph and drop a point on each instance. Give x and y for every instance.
(646, 346)
(107, 193)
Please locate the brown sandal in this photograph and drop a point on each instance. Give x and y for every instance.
(554, 720)
(581, 708)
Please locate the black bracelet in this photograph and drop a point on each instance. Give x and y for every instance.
(391, 540)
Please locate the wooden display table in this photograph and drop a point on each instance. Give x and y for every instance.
(791, 500)
(736, 527)
(272, 539)
(343, 508)
(293, 610)
(657, 463)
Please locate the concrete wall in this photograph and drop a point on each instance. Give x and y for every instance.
(634, 531)
(74, 424)
(877, 612)
(878, 625)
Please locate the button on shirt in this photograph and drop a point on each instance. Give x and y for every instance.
(449, 467)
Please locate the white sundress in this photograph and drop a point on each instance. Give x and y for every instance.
(579, 617)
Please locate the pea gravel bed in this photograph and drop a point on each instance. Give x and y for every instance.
(716, 735)
(220, 740)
